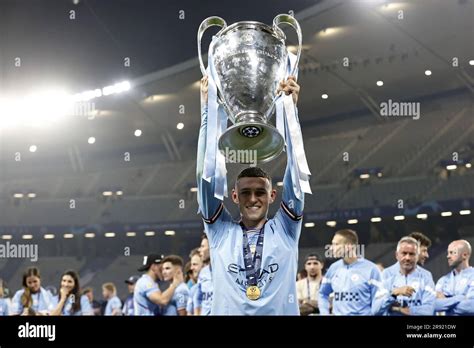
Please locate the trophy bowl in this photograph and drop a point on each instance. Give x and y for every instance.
(247, 61)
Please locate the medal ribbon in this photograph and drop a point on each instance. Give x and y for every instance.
(252, 266)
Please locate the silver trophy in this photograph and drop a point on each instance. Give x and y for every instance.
(249, 59)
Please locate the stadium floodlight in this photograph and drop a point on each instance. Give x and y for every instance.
(422, 216)
(451, 167)
(465, 212)
(364, 176)
(68, 235)
(138, 132)
(27, 236)
(149, 233)
(109, 235)
(89, 235)
(7, 236)
(331, 223)
(49, 236)
(170, 233)
(352, 221)
(376, 219)
(131, 234)
(399, 217)
(309, 224)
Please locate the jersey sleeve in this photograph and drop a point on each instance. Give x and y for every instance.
(324, 291)
(428, 298)
(290, 214)
(182, 298)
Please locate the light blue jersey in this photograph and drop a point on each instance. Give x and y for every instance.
(190, 305)
(279, 261)
(128, 308)
(420, 303)
(458, 288)
(42, 302)
(357, 288)
(4, 307)
(203, 295)
(86, 308)
(144, 287)
(113, 303)
(178, 301)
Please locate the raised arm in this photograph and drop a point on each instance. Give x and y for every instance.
(209, 206)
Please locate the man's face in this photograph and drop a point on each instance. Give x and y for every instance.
(313, 267)
(455, 256)
(407, 257)
(254, 196)
(168, 271)
(196, 265)
(204, 249)
(338, 246)
(423, 255)
(131, 288)
(106, 293)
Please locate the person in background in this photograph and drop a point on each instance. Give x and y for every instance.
(196, 265)
(128, 308)
(172, 265)
(70, 302)
(4, 305)
(307, 289)
(114, 305)
(425, 244)
(96, 306)
(147, 296)
(410, 290)
(455, 290)
(32, 299)
(354, 281)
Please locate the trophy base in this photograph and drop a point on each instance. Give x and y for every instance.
(251, 140)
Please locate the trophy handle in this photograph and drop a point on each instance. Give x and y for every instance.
(207, 23)
(287, 19)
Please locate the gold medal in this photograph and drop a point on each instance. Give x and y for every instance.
(253, 293)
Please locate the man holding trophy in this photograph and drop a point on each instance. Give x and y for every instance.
(251, 74)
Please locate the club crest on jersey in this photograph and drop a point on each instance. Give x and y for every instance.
(355, 277)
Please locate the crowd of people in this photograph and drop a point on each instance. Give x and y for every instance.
(351, 285)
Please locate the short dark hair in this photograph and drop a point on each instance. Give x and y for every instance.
(349, 235)
(254, 172)
(175, 260)
(420, 237)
